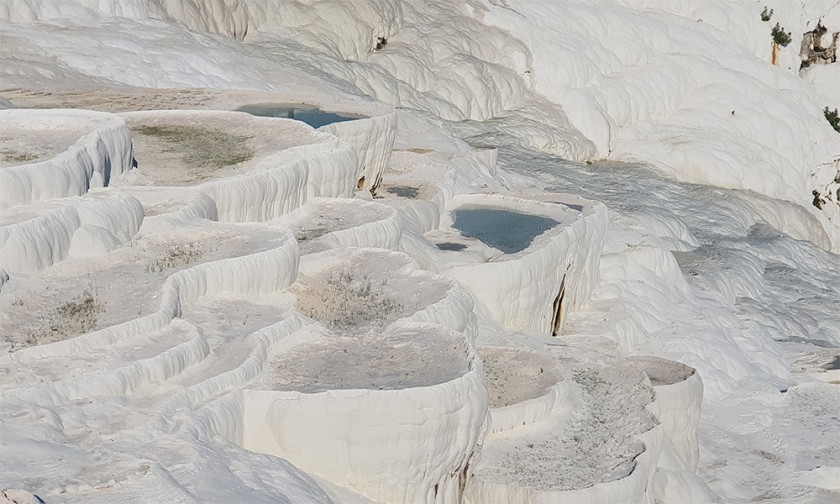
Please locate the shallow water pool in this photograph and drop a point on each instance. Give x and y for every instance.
(312, 116)
(500, 228)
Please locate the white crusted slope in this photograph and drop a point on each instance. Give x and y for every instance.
(101, 150)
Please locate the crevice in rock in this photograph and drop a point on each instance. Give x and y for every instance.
(557, 313)
(462, 480)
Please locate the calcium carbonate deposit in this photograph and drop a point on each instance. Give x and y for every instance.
(419, 251)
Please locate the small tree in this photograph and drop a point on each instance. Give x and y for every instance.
(833, 118)
(766, 15)
(780, 37)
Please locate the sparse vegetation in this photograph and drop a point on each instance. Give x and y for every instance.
(766, 15)
(74, 317)
(780, 37)
(345, 300)
(319, 227)
(19, 156)
(176, 256)
(833, 118)
(201, 146)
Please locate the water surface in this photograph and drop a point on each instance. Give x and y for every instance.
(501, 228)
(312, 116)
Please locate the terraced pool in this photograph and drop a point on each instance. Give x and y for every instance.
(312, 116)
(500, 228)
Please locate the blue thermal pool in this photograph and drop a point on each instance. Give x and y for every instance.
(500, 228)
(310, 115)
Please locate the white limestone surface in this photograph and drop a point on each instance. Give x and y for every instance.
(665, 82)
(398, 445)
(102, 150)
(332, 222)
(41, 235)
(643, 81)
(340, 283)
(372, 139)
(520, 289)
(267, 271)
(679, 395)
(284, 181)
(190, 147)
(402, 438)
(541, 462)
(524, 387)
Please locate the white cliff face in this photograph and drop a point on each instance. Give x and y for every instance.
(372, 139)
(265, 311)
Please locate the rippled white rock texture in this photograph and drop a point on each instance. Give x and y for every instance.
(202, 305)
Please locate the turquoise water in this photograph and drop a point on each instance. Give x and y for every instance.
(310, 115)
(500, 228)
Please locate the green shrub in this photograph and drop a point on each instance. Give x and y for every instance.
(766, 15)
(833, 118)
(780, 37)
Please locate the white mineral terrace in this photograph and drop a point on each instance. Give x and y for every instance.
(544, 278)
(415, 252)
(296, 355)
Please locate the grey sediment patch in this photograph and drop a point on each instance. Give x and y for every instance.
(404, 191)
(451, 246)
